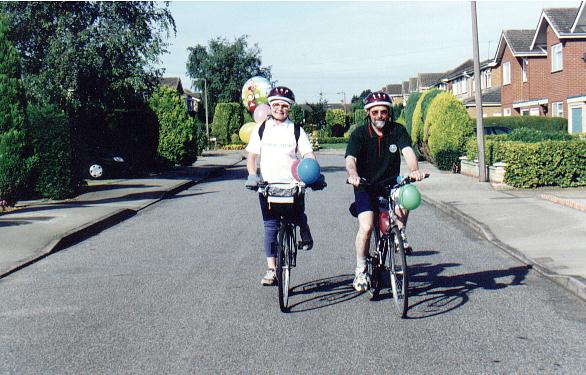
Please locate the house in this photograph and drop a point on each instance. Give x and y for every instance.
(460, 82)
(405, 91)
(544, 70)
(192, 100)
(395, 92)
(426, 81)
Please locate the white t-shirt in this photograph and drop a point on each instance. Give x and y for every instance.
(277, 149)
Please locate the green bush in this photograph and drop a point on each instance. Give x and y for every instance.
(177, 130)
(297, 114)
(545, 124)
(12, 96)
(227, 121)
(532, 135)
(333, 139)
(448, 128)
(50, 135)
(409, 109)
(15, 166)
(335, 122)
(398, 111)
(359, 117)
(417, 122)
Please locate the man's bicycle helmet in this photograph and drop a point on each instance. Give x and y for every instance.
(377, 98)
(281, 93)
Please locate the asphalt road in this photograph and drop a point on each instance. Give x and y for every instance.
(176, 289)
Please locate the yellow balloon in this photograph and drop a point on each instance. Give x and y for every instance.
(245, 131)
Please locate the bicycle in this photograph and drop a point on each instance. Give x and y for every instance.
(284, 195)
(386, 261)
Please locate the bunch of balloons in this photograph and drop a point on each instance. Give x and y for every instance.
(255, 95)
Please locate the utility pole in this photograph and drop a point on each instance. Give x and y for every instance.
(478, 98)
(205, 93)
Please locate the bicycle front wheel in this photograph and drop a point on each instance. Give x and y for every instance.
(397, 263)
(284, 252)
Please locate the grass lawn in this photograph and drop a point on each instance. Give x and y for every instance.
(338, 146)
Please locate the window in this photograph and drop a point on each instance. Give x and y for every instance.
(557, 109)
(507, 73)
(525, 62)
(534, 112)
(507, 112)
(524, 112)
(556, 58)
(464, 85)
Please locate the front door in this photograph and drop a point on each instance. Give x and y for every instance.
(577, 120)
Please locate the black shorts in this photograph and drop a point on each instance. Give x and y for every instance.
(364, 201)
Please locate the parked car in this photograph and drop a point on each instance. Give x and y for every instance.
(104, 164)
(495, 130)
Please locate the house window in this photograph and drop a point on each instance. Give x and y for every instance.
(534, 112)
(556, 58)
(507, 112)
(464, 85)
(525, 62)
(525, 112)
(557, 109)
(507, 73)
(488, 78)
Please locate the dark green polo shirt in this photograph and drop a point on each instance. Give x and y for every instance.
(378, 158)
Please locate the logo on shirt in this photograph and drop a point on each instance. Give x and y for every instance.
(393, 148)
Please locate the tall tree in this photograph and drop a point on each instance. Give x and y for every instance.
(357, 101)
(226, 67)
(317, 114)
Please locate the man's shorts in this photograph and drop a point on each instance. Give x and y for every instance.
(364, 201)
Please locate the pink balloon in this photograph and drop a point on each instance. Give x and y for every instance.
(294, 170)
(261, 112)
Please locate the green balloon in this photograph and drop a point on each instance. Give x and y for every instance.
(409, 197)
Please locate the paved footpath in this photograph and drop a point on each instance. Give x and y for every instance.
(544, 228)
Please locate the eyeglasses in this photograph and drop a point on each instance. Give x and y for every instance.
(383, 112)
(280, 105)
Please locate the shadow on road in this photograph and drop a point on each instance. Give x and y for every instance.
(323, 293)
(433, 294)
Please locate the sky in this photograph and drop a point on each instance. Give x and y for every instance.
(340, 49)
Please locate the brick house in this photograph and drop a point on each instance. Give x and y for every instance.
(192, 99)
(544, 70)
(405, 91)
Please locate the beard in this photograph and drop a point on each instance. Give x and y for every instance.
(379, 123)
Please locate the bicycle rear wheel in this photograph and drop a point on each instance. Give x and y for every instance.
(397, 263)
(284, 253)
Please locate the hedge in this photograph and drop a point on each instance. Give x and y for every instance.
(546, 124)
(447, 127)
(409, 109)
(177, 130)
(417, 122)
(359, 117)
(335, 122)
(15, 166)
(227, 121)
(333, 140)
(50, 135)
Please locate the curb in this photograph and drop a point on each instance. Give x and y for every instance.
(574, 284)
(564, 202)
(87, 230)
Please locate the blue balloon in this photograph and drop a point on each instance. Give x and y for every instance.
(308, 171)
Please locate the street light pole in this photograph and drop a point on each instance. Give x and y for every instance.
(343, 100)
(205, 91)
(478, 98)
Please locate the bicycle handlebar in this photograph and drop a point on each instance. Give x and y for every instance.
(385, 182)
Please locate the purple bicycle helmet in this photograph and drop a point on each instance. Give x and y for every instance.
(377, 98)
(281, 93)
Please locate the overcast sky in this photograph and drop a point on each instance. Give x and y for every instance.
(334, 47)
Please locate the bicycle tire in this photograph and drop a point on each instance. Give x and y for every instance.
(283, 270)
(398, 270)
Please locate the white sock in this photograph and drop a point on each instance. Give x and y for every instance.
(360, 263)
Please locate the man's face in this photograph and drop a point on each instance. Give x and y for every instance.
(379, 115)
(280, 110)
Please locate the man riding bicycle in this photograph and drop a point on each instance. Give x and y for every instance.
(277, 141)
(373, 154)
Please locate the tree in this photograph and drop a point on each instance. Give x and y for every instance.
(226, 67)
(297, 114)
(89, 58)
(357, 101)
(15, 160)
(317, 114)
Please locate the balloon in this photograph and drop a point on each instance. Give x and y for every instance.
(409, 197)
(245, 131)
(308, 171)
(255, 92)
(261, 112)
(294, 170)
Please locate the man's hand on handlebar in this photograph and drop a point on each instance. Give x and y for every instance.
(417, 175)
(354, 180)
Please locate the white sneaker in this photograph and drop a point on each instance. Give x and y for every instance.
(406, 246)
(361, 281)
(270, 278)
